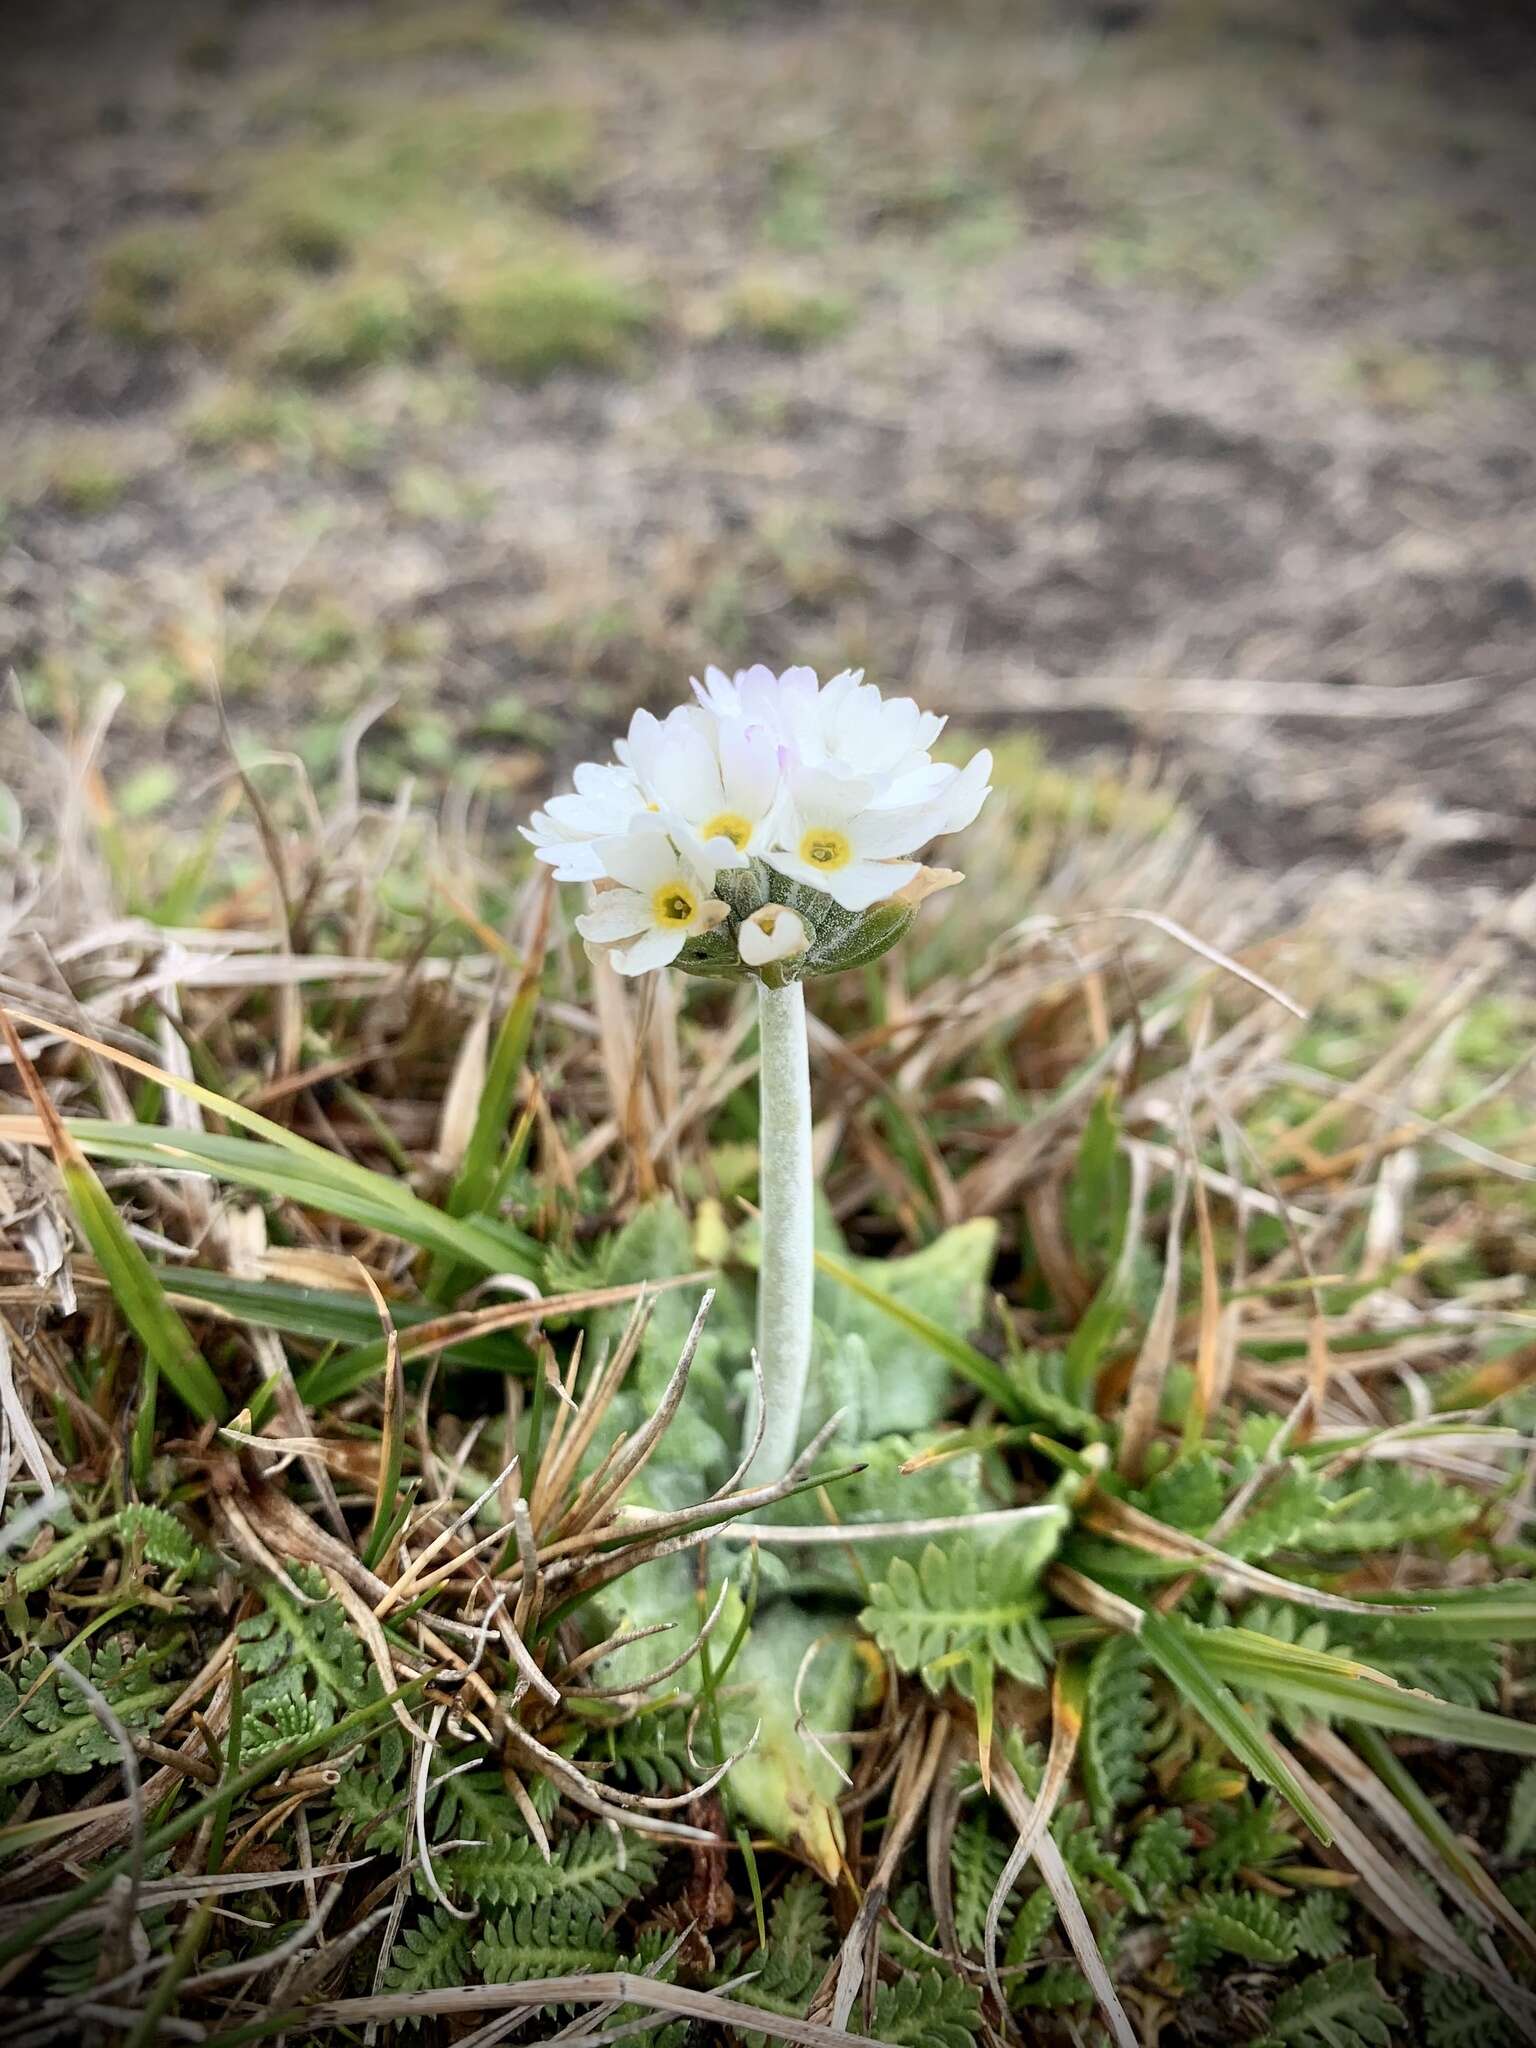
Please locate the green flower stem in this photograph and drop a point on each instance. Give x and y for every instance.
(787, 1272)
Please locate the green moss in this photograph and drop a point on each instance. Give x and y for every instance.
(781, 315)
(86, 484)
(354, 325)
(141, 274)
(528, 317)
(314, 255)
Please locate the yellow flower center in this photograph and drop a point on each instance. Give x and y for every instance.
(675, 904)
(729, 825)
(824, 848)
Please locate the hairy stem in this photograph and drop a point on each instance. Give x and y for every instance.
(787, 1188)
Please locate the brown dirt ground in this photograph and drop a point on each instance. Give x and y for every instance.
(1186, 402)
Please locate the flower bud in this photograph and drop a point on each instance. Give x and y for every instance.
(772, 933)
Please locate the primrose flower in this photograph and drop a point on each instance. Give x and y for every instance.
(656, 900)
(771, 829)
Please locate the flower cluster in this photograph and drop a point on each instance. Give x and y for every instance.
(764, 828)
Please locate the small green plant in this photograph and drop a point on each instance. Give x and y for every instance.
(530, 316)
(767, 308)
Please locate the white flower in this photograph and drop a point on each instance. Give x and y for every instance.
(563, 833)
(772, 933)
(660, 902)
(832, 786)
(839, 840)
(714, 783)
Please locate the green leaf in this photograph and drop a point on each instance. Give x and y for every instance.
(930, 1297)
(297, 1171)
(964, 1599)
(560, 1938)
(138, 1293)
(928, 2009)
(1342, 2006)
(1159, 1860)
(1116, 1726)
(1385, 1505)
(1328, 1685)
(785, 1785)
(164, 1539)
(303, 1664)
(1457, 2015)
(1242, 1924)
(431, 1955)
(976, 1858)
(592, 1866)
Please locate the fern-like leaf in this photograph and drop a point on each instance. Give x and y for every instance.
(1385, 1505)
(1247, 1835)
(47, 1724)
(927, 2010)
(165, 1539)
(1117, 1722)
(1032, 1923)
(1340, 2007)
(962, 1604)
(1159, 1860)
(788, 1969)
(1457, 2015)
(430, 1956)
(976, 1861)
(1291, 1505)
(591, 1867)
(558, 1938)
(1317, 1923)
(1242, 1924)
(1058, 1987)
(303, 1665)
(652, 1751)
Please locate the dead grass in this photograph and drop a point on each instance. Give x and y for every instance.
(336, 968)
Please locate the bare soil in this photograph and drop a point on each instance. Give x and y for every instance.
(1186, 402)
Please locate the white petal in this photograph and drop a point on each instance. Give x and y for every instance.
(642, 859)
(615, 914)
(702, 858)
(749, 769)
(658, 948)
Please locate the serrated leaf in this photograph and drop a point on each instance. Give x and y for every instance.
(559, 1938)
(1116, 1722)
(963, 1599)
(593, 1866)
(1342, 2006)
(924, 2009)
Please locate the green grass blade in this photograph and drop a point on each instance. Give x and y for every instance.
(973, 1365)
(1181, 1655)
(356, 1194)
(1329, 1686)
(166, 1339)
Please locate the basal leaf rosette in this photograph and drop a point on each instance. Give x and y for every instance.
(769, 830)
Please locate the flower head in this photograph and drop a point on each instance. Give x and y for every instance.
(772, 802)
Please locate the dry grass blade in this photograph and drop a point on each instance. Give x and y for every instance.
(1067, 1692)
(165, 1337)
(1058, 1882)
(919, 1766)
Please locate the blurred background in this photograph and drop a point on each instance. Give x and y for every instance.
(1155, 376)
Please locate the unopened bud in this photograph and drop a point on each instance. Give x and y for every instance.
(772, 933)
